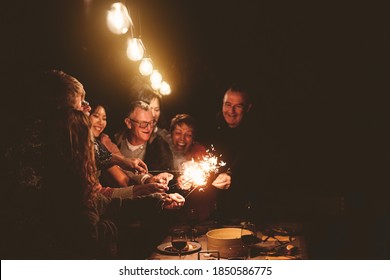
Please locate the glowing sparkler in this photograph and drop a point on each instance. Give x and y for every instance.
(196, 173)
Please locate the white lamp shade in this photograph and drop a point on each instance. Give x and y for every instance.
(146, 66)
(135, 49)
(118, 19)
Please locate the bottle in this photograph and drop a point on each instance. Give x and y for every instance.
(249, 212)
(215, 216)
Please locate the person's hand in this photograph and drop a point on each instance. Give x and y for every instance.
(136, 164)
(162, 178)
(173, 201)
(222, 181)
(184, 183)
(85, 107)
(150, 188)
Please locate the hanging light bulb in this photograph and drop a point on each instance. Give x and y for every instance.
(156, 77)
(118, 19)
(135, 49)
(146, 66)
(165, 88)
(156, 86)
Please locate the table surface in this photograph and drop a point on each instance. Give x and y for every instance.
(273, 241)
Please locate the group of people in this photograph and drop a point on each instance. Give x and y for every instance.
(93, 186)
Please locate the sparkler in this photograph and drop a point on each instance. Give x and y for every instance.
(196, 173)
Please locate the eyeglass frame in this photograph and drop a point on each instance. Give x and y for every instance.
(145, 124)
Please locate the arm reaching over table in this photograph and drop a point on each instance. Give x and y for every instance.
(173, 201)
(149, 188)
(162, 178)
(135, 164)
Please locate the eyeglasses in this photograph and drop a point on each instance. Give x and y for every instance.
(144, 124)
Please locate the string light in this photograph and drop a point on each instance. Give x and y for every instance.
(135, 49)
(156, 77)
(119, 22)
(146, 66)
(165, 88)
(156, 86)
(118, 19)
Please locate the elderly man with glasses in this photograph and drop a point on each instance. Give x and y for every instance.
(133, 141)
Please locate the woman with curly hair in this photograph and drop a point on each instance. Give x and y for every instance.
(82, 218)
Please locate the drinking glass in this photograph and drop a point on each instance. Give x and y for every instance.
(248, 236)
(179, 240)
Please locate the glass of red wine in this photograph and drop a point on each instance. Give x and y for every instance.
(248, 237)
(179, 240)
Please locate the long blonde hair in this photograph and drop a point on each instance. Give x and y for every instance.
(82, 153)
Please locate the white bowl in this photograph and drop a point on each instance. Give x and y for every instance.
(227, 241)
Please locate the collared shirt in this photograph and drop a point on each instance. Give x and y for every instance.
(131, 151)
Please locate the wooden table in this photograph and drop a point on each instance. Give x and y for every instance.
(273, 244)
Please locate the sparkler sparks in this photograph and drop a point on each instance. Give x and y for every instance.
(196, 173)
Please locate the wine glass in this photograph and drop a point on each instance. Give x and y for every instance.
(248, 236)
(179, 240)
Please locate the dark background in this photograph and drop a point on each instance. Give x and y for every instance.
(318, 72)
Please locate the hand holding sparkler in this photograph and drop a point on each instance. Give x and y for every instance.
(131, 164)
(185, 183)
(162, 178)
(150, 188)
(222, 181)
(173, 201)
(196, 173)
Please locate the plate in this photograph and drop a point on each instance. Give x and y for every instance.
(191, 247)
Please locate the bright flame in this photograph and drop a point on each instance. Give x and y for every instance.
(196, 173)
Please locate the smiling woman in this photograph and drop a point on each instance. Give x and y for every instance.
(182, 140)
(108, 155)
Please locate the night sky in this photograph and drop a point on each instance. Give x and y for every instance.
(319, 72)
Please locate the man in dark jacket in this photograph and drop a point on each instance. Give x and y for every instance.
(236, 138)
